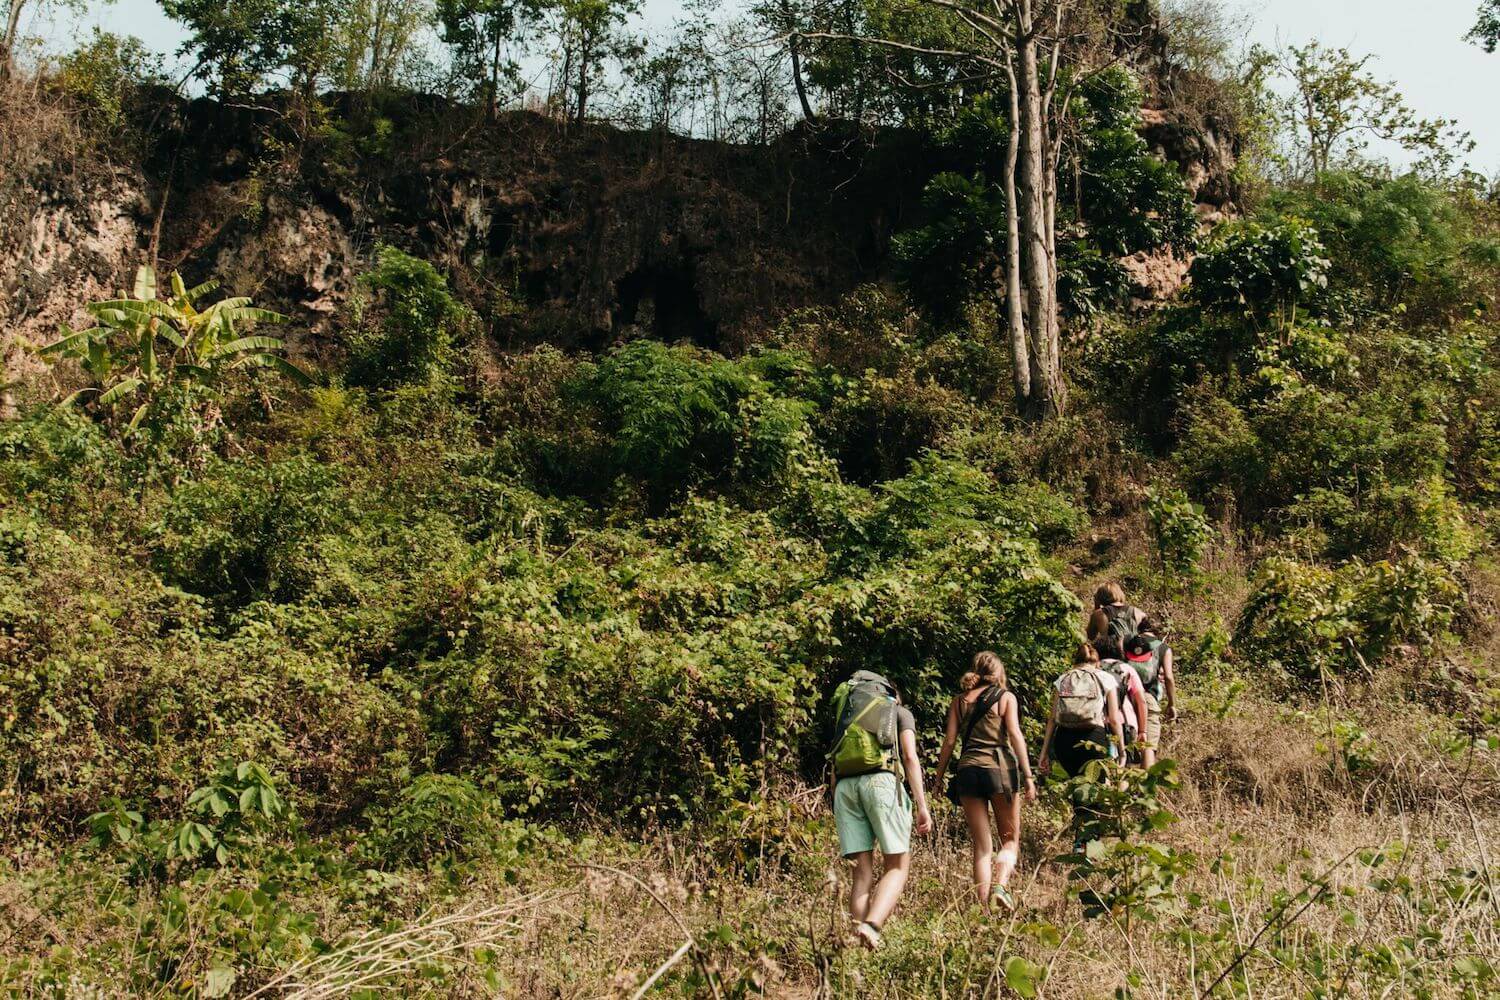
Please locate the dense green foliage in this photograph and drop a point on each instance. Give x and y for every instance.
(281, 660)
(622, 584)
(1327, 384)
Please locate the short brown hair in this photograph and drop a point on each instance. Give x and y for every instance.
(1085, 654)
(1109, 593)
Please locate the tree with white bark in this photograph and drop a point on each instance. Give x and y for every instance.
(1037, 52)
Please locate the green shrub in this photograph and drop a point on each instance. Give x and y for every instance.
(957, 256)
(229, 814)
(673, 412)
(409, 327)
(1386, 520)
(104, 73)
(1404, 245)
(243, 529)
(875, 425)
(1261, 272)
(1179, 529)
(1313, 621)
(441, 817)
(116, 685)
(1130, 200)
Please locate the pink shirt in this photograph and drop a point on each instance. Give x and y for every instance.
(1133, 687)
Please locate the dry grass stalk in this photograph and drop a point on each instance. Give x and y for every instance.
(376, 956)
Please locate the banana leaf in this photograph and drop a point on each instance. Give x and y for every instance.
(145, 282)
(120, 390)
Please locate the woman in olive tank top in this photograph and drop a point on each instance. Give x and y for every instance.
(993, 772)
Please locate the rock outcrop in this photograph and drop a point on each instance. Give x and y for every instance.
(599, 234)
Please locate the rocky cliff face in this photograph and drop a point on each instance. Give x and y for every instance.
(599, 234)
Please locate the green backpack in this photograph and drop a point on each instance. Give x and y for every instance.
(1149, 670)
(865, 725)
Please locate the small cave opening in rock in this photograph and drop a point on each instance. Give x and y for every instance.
(661, 301)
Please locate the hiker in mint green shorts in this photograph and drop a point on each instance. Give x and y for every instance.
(874, 752)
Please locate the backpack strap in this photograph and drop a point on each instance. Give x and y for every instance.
(981, 708)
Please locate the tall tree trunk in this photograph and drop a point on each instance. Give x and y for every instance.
(1015, 322)
(1037, 272)
(798, 82)
(377, 56)
(583, 81)
(12, 29)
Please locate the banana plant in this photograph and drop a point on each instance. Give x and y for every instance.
(144, 342)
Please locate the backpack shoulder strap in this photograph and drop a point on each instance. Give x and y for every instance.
(981, 708)
(840, 702)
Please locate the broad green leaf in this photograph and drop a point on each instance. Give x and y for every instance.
(140, 413)
(115, 310)
(1022, 976)
(198, 291)
(288, 369)
(119, 390)
(148, 355)
(250, 314)
(98, 359)
(69, 338)
(248, 344)
(179, 290)
(145, 282)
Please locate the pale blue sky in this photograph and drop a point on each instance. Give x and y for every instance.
(1418, 45)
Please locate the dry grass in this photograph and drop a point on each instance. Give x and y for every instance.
(1260, 806)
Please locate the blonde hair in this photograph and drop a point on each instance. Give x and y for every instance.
(1109, 593)
(1085, 654)
(986, 668)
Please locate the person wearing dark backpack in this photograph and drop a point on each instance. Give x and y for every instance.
(1084, 723)
(1113, 616)
(874, 751)
(994, 770)
(1134, 706)
(1151, 658)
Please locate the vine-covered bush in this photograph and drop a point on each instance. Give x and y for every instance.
(1311, 621)
(408, 324)
(1179, 529)
(1260, 270)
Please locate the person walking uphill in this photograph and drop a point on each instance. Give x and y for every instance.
(1085, 722)
(1113, 616)
(874, 749)
(1151, 659)
(1131, 693)
(993, 772)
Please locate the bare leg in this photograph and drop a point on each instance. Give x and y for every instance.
(888, 889)
(977, 816)
(1008, 819)
(864, 875)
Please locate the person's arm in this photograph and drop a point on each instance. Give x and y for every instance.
(1018, 744)
(1138, 699)
(1116, 718)
(950, 738)
(1169, 682)
(908, 740)
(1098, 622)
(1044, 763)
